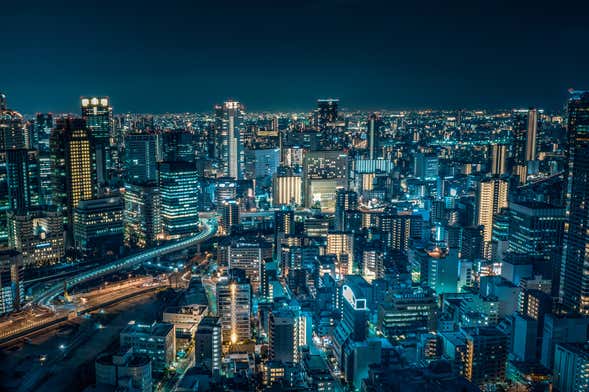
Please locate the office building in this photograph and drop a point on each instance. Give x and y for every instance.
(22, 170)
(287, 189)
(12, 129)
(98, 227)
(177, 145)
(323, 173)
(439, 270)
(407, 310)
(426, 166)
(141, 216)
(140, 158)
(180, 191)
(74, 141)
(12, 291)
(97, 114)
(326, 114)
(38, 235)
(575, 283)
(156, 340)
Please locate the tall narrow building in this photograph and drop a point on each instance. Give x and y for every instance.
(76, 174)
(229, 128)
(491, 198)
(97, 113)
(574, 272)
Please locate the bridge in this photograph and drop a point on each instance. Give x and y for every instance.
(47, 295)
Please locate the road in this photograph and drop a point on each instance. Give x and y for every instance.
(60, 358)
(46, 296)
(37, 318)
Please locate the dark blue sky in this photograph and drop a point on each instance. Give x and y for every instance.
(159, 56)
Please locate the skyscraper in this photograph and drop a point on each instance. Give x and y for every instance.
(12, 131)
(140, 158)
(575, 280)
(326, 113)
(79, 176)
(234, 308)
(142, 215)
(229, 127)
(283, 336)
(179, 189)
(491, 198)
(499, 159)
(345, 201)
(20, 175)
(98, 115)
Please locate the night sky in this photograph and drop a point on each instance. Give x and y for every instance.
(167, 56)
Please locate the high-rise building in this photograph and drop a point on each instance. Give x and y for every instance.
(230, 127)
(207, 344)
(287, 189)
(98, 227)
(178, 145)
(234, 309)
(486, 356)
(229, 215)
(140, 158)
(43, 126)
(142, 215)
(97, 113)
(426, 166)
(12, 290)
(323, 173)
(326, 114)
(345, 201)
(575, 282)
(12, 128)
(247, 256)
(525, 135)
(491, 198)
(73, 165)
(283, 336)
(180, 191)
(21, 170)
(498, 160)
(571, 367)
(37, 235)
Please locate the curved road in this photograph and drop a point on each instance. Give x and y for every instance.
(50, 293)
